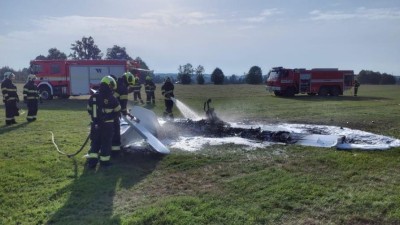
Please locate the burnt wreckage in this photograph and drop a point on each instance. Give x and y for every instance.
(213, 126)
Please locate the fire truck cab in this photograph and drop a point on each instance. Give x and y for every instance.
(321, 81)
(65, 78)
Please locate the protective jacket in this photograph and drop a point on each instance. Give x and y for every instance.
(122, 94)
(167, 89)
(31, 97)
(10, 99)
(150, 87)
(9, 91)
(103, 108)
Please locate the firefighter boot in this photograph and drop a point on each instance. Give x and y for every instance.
(91, 163)
(105, 164)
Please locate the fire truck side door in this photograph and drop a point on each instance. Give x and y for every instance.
(79, 76)
(305, 82)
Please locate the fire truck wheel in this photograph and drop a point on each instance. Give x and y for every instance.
(45, 93)
(290, 92)
(278, 93)
(334, 91)
(323, 91)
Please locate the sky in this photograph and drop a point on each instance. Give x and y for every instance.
(233, 35)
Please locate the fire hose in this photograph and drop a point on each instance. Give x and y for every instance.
(84, 143)
(66, 154)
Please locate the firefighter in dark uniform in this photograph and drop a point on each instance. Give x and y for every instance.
(136, 91)
(10, 98)
(150, 87)
(31, 98)
(167, 89)
(121, 93)
(356, 85)
(103, 108)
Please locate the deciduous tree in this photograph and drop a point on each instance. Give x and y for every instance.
(117, 52)
(254, 76)
(217, 76)
(85, 49)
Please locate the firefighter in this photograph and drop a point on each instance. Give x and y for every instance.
(167, 89)
(150, 87)
(10, 98)
(121, 93)
(136, 90)
(31, 98)
(103, 108)
(356, 85)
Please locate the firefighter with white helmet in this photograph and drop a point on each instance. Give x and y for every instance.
(31, 97)
(10, 98)
(103, 108)
(150, 87)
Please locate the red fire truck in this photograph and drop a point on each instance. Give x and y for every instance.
(321, 81)
(64, 78)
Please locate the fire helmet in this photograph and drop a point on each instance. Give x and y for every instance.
(31, 77)
(110, 82)
(129, 77)
(9, 75)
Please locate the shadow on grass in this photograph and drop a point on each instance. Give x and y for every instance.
(331, 98)
(5, 129)
(91, 194)
(64, 104)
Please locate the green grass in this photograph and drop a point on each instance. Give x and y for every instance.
(280, 184)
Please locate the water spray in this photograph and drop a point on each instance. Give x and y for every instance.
(185, 110)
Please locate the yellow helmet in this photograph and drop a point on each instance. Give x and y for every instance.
(129, 78)
(110, 82)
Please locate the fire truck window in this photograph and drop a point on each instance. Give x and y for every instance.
(35, 69)
(55, 68)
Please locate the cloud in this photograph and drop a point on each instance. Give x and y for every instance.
(262, 16)
(359, 13)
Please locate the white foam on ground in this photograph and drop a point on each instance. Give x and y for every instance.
(326, 136)
(198, 142)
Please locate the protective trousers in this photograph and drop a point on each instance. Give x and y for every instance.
(137, 97)
(100, 149)
(150, 98)
(32, 105)
(168, 107)
(11, 111)
(116, 140)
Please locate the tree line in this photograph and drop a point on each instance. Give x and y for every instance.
(187, 74)
(371, 77)
(86, 49)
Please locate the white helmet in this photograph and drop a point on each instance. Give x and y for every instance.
(31, 77)
(8, 75)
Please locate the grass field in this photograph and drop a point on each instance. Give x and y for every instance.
(280, 184)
